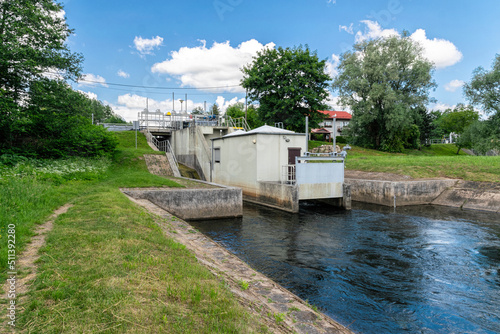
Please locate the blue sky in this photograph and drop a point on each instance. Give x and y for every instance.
(186, 46)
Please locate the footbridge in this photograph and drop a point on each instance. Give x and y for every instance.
(187, 136)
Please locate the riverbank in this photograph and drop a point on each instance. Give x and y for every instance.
(264, 297)
(391, 189)
(106, 265)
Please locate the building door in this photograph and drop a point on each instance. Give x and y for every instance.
(292, 153)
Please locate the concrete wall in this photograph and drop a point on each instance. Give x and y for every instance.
(192, 150)
(471, 195)
(274, 194)
(247, 159)
(397, 193)
(195, 204)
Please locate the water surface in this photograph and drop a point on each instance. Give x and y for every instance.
(418, 269)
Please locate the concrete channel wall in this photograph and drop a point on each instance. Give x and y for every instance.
(194, 204)
(398, 193)
(470, 195)
(191, 149)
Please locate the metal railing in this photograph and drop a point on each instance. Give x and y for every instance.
(288, 174)
(171, 151)
(238, 123)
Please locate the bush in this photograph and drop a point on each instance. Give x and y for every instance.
(341, 140)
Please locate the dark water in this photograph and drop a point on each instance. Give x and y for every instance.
(417, 270)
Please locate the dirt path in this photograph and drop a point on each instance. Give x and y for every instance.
(25, 264)
(283, 311)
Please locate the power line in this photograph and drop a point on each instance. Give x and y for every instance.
(154, 87)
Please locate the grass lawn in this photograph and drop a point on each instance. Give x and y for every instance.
(106, 266)
(438, 160)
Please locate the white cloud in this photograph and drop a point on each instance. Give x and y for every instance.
(123, 74)
(331, 66)
(374, 30)
(441, 52)
(441, 106)
(91, 80)
(90, 95)
(215, 66)
(453, 85)
(146, 46)
(334, 103)
(224, 104)
(129, 105)
(348, 29)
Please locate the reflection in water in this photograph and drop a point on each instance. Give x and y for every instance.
(417, 270)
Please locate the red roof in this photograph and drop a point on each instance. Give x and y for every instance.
(322, 130)
(340, 114)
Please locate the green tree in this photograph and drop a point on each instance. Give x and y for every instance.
(114, 118)
(56, 122)
(214, 109)
(386, 83)
(237, 110)
(289, 85)
(481, 136)
(484, 91)
(32, 41)
(456, 120)
(198, 111)
(484, 88)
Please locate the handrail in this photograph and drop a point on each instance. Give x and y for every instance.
(169, 149)
(239, 122)
(161, 145)
(288, 174)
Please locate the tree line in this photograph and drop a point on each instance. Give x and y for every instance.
(386, 83)
(42, 117)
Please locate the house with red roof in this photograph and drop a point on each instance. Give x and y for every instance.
(342, 119)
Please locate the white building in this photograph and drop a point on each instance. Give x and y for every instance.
(272, 167)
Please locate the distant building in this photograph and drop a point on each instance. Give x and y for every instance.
(342, 119)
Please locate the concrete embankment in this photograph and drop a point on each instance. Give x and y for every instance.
(469, 195)
(282, 310)
(447, 192)
(194, 204)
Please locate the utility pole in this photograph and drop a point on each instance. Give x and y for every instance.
(246, 103)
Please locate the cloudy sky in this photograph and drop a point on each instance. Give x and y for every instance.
(163, 50)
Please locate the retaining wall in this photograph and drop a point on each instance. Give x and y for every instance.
(399, 193)
(469, 195)
(194, 204)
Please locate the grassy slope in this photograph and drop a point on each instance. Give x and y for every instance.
(438, 160)
(108, 268)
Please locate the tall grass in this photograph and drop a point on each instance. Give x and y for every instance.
(107, 266)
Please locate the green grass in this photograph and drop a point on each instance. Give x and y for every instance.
(439, 160)
(106, 265)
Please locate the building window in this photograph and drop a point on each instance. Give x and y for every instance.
(328, 123)
(217, 154)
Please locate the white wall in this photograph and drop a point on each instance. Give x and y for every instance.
(243, 163)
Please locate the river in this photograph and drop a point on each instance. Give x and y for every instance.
(421, 269)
